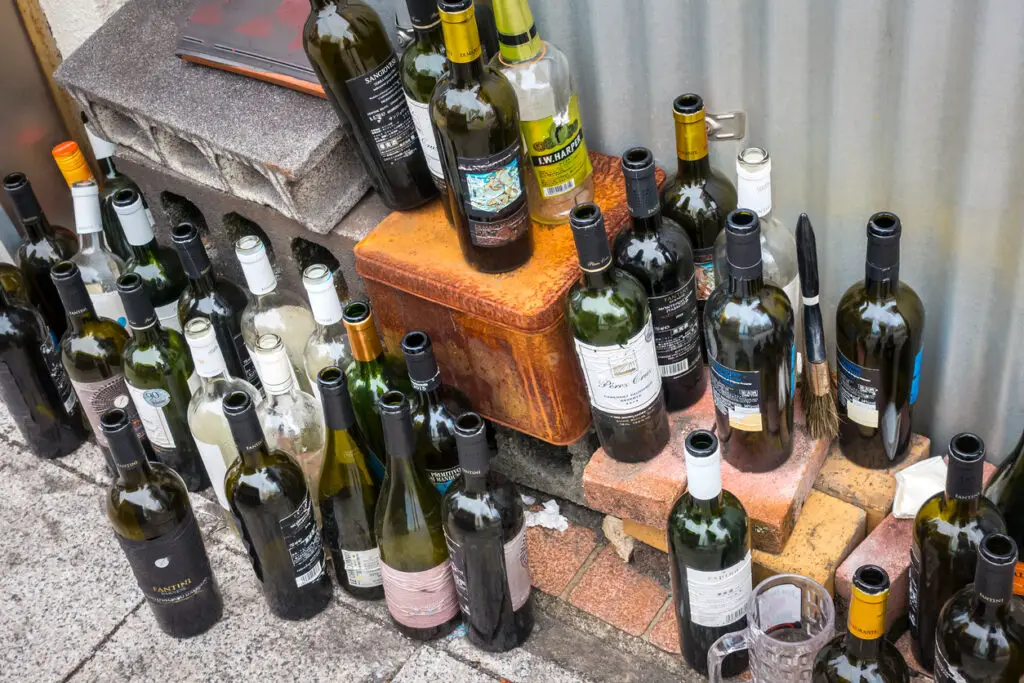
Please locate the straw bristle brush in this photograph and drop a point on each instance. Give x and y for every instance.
(817, 392)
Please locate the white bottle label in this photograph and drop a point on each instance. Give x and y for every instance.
(425, 132)
(362, 567)
(108, 305)
(517, 568)
(216, 469)
(720, 598)
(754, 191)
(168, 316)
(704, 475)
(621, 379)
(150, 405)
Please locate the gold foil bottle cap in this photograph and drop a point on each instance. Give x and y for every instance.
(362, 333)
(691, 134)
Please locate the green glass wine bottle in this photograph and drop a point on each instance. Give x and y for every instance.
(160, 377)
(863, 654)
(751, 345)
(614, 339)
(111, 180)
(476, 118)
(348, 496)
(948, 529)
(274, 515)
(153, 520)
(158, 266)
(352, 56)
(418, 583)
(1006, 490)
(709, 547)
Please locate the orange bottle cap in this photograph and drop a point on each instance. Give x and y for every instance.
(71, 162)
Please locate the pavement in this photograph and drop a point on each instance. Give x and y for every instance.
(70, 609)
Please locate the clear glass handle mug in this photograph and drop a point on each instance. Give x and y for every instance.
(789, 618)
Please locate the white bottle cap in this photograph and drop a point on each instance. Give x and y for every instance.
(205, 350)
(101, 148)
(259, 274)
(323, 298)
(703, 465)
(86, 197)
(272, 363)
(754, 181)
(135, 220)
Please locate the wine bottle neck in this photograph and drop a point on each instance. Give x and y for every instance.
(745, 287)
(647, 226)
(365, 342)
(108, 168)
(599, 279)
(881, 289)
(462, 45)
(863, 650)
(692, 172)
(37, 228)
(475, 484)
(517, 33)
(92, 242)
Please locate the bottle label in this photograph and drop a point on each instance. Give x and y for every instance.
(719, 598)
(420, 599)
(1018, 579)
(754, 191)
(915, 383)
(737, 393)
(517, 567)
(860, 390)
(495, 200)
(944, 673)
(304, 544)
(216, 469)
(704, 271)
(913, 583)
(168, 316)
(173, 568)
(425, 132)
(622, 379)
(150, 404)
(381, 104)
(362, 567)
(442, 479)
(676, 332)
(108, 305)
(557, 151)
(61, 381)
(99, 397)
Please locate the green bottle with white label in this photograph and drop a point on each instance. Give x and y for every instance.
(559, 175)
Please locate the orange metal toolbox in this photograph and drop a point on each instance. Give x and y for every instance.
(502, 339)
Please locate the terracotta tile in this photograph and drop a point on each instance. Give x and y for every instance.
(556, 556)
(665, 633)
(615, 592)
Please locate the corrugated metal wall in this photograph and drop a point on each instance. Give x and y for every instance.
(916, 106)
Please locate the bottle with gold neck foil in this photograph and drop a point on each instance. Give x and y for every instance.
(476, 118)
(863, 655)
(370, 376)
(698, 197)
(559, 174)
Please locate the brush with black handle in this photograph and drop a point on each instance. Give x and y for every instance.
(817, 392)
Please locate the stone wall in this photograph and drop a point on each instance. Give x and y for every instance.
(72, 21)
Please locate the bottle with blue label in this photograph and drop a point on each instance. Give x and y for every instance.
(749, 333)
(879, 329)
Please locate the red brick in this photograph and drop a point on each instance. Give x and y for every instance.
(645, 492)
(665, 633)
(556, 556)
(617, 593)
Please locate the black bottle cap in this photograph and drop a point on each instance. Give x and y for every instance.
(334, 395)
(419, 358)
(688, 103)
(743, 243)
(997, 560)
(423, 13)
(191, 251)
(355, 312)
(125, 447)
(452, 6)
(641, 185)
(471, 442)
(966, 466)
(883, 258)
(68, 280)
(138, 308)
(588, 232)
(243, 421)
(397, 422)
(871, 579)
(700, 443)
(125, 197)
(19, 189)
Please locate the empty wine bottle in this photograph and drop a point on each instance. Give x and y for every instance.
(614, 338)
(440, 404)
(750, 339)
(348, 495)
(154, 523)
(100, 267)
(948, 529)
(34, 385)
(485, 529)
(74, 167)
(217, 299)
(328, 345)
(160, 377)
(274, 514)
(1006, 490)
(111, 181)
(417, 573)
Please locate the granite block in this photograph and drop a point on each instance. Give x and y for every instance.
(869, 489)
(429, 665)
(515, 666)
(827, 532)
(618, 594)
(556, 556)
(665, 633)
